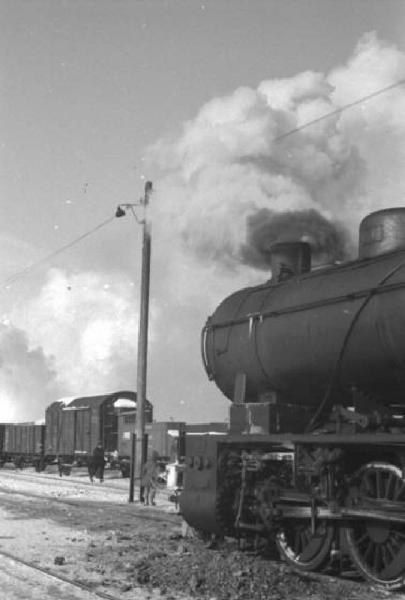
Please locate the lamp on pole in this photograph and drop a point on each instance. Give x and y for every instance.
(138, 448)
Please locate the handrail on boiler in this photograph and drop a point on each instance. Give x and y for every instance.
(204, 353)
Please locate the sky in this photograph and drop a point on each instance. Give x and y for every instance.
(99, 96)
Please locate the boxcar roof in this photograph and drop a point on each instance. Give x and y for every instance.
(98, 400)
(93, 401)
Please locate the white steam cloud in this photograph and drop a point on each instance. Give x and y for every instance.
(79, 338)
(225, 189)
(88, 323)
(230, 188)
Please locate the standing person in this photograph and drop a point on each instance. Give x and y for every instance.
(150, 471)
(60, 466)
(98, 461)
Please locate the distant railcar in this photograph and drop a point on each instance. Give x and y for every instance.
(74, 426)
(162, 436)
(156, 437)
(23, 442)
(166, 438)
(126, 427)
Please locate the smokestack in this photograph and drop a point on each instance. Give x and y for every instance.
(289, 259)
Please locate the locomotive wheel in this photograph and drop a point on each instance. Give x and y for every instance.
(377, 548)
(303, 549)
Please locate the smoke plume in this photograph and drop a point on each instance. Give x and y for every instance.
(238, 179)
(266, 228)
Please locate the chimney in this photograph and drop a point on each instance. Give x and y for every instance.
(289, 259)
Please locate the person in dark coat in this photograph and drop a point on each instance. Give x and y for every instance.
(97, 462)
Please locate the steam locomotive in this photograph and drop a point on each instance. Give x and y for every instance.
(313, 362)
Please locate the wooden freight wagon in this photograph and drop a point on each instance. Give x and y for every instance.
(23, 441)
(163, 438)
(156, 439)
(75, 425)
(126, 418)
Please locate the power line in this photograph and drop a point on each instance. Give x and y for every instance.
(27, 270)
(338, 111)
(282, 136)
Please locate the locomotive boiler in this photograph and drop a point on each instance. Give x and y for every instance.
(313, 362)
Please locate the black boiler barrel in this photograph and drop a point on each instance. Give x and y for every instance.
(343, 324)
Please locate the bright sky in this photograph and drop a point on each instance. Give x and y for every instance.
(87, 86)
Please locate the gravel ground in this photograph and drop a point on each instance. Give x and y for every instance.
(101, 541)
(175, 564)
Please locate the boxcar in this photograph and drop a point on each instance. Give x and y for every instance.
(22, 441)
(163, 437)
(75, 425)
(126, 425)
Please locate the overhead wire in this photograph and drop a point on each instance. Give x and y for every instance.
(278, 138)
(27, 270)
(341, 109)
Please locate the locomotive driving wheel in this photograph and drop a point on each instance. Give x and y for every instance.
(377, 548)
(302, 548)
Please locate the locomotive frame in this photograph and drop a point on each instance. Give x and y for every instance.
(313, 362)
(319, 495)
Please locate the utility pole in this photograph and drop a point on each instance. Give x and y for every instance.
(143, 342)
(138, 444)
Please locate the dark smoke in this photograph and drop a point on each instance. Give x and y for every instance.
(328, 240)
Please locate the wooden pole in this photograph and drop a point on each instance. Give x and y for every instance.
(132, 468)
(143, 341)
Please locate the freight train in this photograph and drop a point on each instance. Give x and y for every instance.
(73, 427)
(313, 362)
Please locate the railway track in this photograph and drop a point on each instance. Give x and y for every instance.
(42, 581)
(119, 487)
(134, 510)
(81, 479)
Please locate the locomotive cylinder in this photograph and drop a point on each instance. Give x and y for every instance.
(339, 327)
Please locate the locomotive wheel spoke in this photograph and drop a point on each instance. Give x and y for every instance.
(377, 548)
(388, 490)
(301, 548)
(379, 485)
